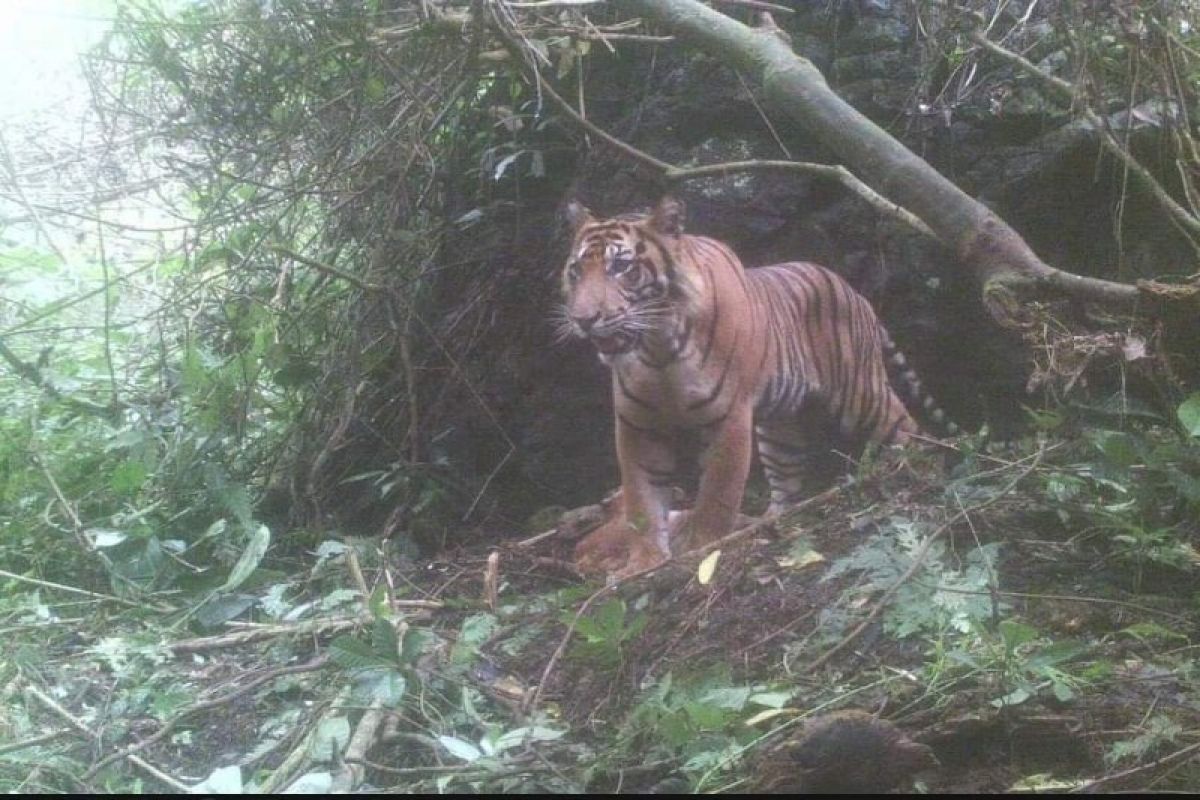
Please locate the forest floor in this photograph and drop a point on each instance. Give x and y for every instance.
(980, 608)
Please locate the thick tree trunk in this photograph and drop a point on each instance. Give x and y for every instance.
(996, 254)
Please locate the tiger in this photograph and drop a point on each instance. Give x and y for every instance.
(706, 352)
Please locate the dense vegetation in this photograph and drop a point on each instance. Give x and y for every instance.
(277, 378)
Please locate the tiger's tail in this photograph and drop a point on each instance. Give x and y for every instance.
(920, 403)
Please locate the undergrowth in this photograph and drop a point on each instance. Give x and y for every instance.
(180, 612)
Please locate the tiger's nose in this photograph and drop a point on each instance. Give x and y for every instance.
(585, 323)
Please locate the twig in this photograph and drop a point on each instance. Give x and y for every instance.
(298, 759)
(74, 590)
(351, 774)
(1066, 92)
(31, 373)
(78, 725)
(32, 742)
(1179, 755)
(463, 771)
(260, 632)
(1069, 598)
(30, 208)
(359, 579)
(741, 533)
(673, 173)
(536, 697)
(203, 705)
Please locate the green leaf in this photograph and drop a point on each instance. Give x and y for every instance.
(460, 749)
(476, 630)
(127, 478)
(384, 641)
(771, 699)
(518, 736)
(256, 548)
(222, 780)
(1016, 634)
(222, 608)
(311, 783)
(385, 685)
(352, 653)
(332, 735)
(1189, 415)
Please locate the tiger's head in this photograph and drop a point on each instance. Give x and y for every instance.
(623, 279)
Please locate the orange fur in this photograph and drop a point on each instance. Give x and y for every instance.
(702, 349)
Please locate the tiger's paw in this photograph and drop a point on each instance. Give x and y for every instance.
(615, 549)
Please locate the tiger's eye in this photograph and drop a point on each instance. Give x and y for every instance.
(620, 266)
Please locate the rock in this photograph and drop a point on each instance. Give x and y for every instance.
(872, 34)
(891, 64)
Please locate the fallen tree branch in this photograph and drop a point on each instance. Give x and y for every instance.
(994, 252)
(675, 174)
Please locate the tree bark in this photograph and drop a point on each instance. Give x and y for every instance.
(996, 254)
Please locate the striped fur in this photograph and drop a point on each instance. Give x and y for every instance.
(704, 351)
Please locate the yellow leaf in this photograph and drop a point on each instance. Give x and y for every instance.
(770, 713)
(707, 567)
(800, 562)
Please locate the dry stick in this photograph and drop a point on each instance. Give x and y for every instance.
(297, 760)
(204, 705)
(1178, 755)
(78, 725)
(351, 773)
(458, 370)
(675, 174)
(260, 632)
(77, 529)
(1071, 598)
(30, 208)
(918, 560)
(463, 771)
(33, 742)
(741, 533)
(71, 589)
(1066, 91)
(536, 697)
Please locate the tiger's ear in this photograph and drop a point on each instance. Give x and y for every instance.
(667, 216)
(577, 215)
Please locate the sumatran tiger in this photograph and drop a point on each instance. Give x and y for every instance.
(701, 348)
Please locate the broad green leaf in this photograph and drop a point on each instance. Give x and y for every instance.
(517, 736)
(332, 735)
(311, 783)
(222, 780)
(256, 548)
(1189, 415)
(460, 749)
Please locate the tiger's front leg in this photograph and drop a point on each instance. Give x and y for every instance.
(636, 537)
(725, 466)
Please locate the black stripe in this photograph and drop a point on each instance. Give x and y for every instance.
(652, 433)
(712, 331)
(696, 405)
